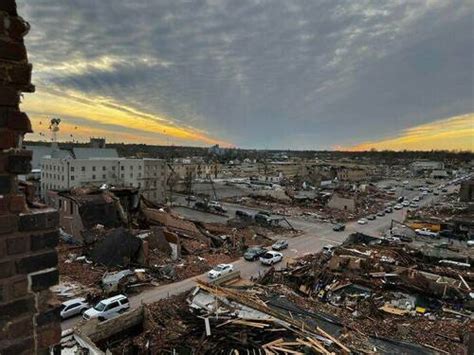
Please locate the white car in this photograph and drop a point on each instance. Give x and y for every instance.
(108, 308)
(73, 307)
(416, 199)
(363, 221)
(405, 203)
(426, 232)
(398, 206)
(220, 270)
(271, 257)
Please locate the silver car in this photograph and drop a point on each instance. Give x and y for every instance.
(73, 307)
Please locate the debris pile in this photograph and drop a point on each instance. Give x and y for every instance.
(386, 292)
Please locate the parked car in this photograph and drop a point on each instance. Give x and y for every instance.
(339, 227)
(362, 221)
(220, 270)
(261, 218)
(271, 257)
(444, 190)
(426, 232)
(328, 249)
(191, 198)
(371, 217)
(398, 207)
(381, 214)
(470, 243)
(447, 233)
(253, 253)
(388, 210)
(73, 307)
(108, 308)
(436, 193)
(280, 245)
(414, 205)
(416, 199)
(200, 205)
(243, 214)
(219, 208)
(405, 203)
(406, 238)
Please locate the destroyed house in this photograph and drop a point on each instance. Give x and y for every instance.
(83, 209)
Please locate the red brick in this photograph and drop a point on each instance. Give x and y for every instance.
(17, 308)
(17, 328)
(15, 51)
(3, 162)
(7, 269)
(4, 208)
(18, 346)
(16, 121)
(9, 97)
(32, 263)
(17, 245)
(8, 222)
(48, 335)
(9, 139)
(40, 219)
(13, 288)
(17, 203)
(20, 287)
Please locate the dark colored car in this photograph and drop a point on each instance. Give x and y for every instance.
(389, 210)
(191, 198)
(381, 214)
(200, 205)
(254, 253)
(219, 208)
(261, 218)
(405, 238)
(243, 214)
(339, 227)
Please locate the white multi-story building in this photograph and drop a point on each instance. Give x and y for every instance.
(149, 175)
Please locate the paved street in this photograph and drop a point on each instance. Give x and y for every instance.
(315, 236)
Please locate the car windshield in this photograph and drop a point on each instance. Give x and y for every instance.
(99, 306)
(219, 268)
(267, 256)
(253, 250)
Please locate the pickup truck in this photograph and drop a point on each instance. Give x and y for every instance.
(426, 232)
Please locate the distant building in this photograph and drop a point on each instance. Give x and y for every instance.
(148, 175)
(439, 174)
(351, 174)
(341, 203)
(420, 166)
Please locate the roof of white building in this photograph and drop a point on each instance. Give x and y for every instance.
(88, 153)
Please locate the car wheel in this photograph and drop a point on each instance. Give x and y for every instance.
(83, 310)
(101, 319)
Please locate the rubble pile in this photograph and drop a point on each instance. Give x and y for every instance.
(450, 207)
(385, 292)
(367, 200)
(145, 236)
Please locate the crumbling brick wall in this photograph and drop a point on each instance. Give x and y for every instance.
(29, 318)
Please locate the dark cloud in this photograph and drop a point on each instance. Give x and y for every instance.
(305, 74)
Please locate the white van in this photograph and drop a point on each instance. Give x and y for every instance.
(108, 308)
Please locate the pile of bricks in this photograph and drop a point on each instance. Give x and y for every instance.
(29, 316)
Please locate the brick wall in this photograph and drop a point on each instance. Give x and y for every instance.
(29, 318)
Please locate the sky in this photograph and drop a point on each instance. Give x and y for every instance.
(279, 74)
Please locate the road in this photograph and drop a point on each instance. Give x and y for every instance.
(315, 236)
